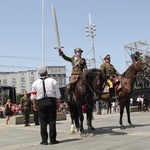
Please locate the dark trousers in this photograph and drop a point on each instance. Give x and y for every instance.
(1, 114)
(36, 117)
(26, 115)
(47, 113)
(139, 106)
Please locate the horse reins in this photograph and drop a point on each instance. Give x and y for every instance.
(91, 91)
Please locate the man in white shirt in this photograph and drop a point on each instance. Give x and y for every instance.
(46, 91)
(140, 103)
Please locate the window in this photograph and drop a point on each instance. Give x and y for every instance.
(23, 79)
(5, 81)
(13, 80)
(23, 85)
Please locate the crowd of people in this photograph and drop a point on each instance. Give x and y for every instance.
(143, 103)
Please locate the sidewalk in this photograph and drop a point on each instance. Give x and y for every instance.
(108, 135)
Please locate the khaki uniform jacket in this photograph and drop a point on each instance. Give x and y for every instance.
(25, 103)
(109, 70)
(78, 67)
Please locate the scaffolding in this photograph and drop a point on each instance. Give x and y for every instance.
(142, 47)
(139, 48)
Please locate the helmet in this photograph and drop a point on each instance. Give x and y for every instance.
(78, 50)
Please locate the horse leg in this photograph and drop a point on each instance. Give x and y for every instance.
(89, 119)
(128, 114)
(81, 117)
(72, 129)
(121, 115)
(110, 107)
(74, 117)
(108, 110)
(76, 120)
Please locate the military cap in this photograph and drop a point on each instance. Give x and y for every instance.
(78, 50)
(107, 57)
(42, 70)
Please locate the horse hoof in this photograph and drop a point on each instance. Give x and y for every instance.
(78, 130)
(132, 126)
(91, 134)
(84, 134)
(72, 132)
(122, 127)
(91, 128)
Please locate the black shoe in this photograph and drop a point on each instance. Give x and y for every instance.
(44, 143)
(27, 125)
(36, 124)
(54, 142)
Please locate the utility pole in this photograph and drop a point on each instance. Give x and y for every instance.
(90, 32)
(43, 50)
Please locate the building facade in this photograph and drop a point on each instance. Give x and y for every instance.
(22, 80)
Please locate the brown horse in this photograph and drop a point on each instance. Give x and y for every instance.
(84, 92)
(127, 81)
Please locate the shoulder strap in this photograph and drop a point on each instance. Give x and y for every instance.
(45, 95)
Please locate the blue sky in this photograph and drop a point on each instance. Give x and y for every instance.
(118, 23)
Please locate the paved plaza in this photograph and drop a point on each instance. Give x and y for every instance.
(108, 135)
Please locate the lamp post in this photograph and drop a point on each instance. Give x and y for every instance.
(43, 51)
(90, 32)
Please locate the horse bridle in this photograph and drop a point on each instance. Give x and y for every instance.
(96, 80)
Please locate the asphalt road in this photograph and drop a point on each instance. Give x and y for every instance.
(108, 135)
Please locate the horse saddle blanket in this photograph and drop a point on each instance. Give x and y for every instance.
(116, 83)
(74, 79)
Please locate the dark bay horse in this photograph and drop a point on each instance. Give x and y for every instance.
(124, 94)
(84, 92)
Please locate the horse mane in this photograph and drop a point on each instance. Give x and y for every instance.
(92, 71)
(127, 70)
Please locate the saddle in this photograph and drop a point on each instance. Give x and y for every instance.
(74, 79)
(73, 82)
(116, 80)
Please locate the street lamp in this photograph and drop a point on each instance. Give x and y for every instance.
(43, 51)
(90, 32)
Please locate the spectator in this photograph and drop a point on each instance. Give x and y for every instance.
(19, 109)
(131, 101)
(145, 102)
(1, 111)
(140, 102)
(97, 107)
(36, 116)
(114, 107)
(8, 111)
(26, 107)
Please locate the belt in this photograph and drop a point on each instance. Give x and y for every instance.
(52, 98)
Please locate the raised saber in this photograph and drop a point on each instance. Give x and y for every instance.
(56, 29)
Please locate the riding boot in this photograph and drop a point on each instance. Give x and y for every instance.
(112, 95)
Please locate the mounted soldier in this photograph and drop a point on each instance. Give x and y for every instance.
(109, 70)
(78, 68)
